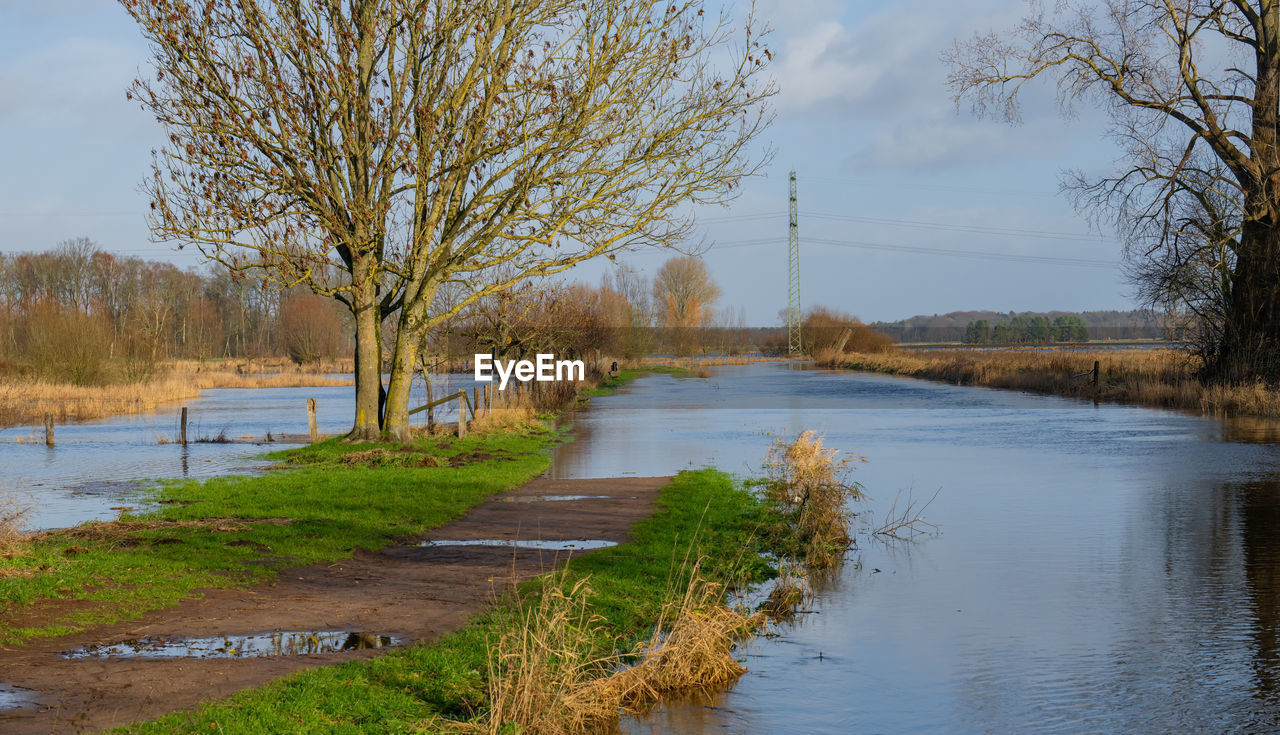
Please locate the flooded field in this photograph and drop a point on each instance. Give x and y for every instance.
(98, 467)
(1099, 568)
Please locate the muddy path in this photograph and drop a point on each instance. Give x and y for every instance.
(411, 593)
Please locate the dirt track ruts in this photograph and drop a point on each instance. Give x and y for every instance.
(415, 593)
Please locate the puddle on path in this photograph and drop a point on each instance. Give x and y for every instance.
(14, 697)
(559, 498)
(554, 545)
(242, 646)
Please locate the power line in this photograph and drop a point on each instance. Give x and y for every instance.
(922, 250)
(949, 227)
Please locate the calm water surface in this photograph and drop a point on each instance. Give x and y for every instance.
(1099, 568)
(97, 467)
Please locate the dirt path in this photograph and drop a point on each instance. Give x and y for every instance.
(415, 593)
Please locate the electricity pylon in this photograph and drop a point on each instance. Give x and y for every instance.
(794, 345)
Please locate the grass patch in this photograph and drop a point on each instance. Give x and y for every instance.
(446, 684)
(238, 531)
(611, 383)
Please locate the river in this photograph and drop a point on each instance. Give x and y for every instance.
(1098, 568)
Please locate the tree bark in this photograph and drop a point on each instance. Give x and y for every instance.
(368, 358)
(1251, 338)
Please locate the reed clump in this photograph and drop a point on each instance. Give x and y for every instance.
(791, 591)
(13, 531)
(807, 483)
(560, 673)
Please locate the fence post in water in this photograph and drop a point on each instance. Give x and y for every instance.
(475, 401)
(462, 413)
(311, 419)
(182, 430)
(48, 429)
(1095, 373)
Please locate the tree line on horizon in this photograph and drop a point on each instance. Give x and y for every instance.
(1019, 330)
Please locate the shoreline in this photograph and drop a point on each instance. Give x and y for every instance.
(1149, 378)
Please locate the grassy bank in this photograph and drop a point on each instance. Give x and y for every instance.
(1163, 378)
(438, 686)
(237, 531)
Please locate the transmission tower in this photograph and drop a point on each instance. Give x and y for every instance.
(794, 345)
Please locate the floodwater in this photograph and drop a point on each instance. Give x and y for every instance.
(96, 468)
(253, 645)
(1097, 569)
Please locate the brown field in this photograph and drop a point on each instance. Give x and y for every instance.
(1163, 378)
(25, 401)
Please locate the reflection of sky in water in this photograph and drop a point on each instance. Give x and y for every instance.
(96, 466)
(1099, 569)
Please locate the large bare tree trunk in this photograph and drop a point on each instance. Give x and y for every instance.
(1251, 338)
(409, 336)
(368, 357)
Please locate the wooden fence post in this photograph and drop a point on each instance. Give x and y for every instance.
(431, 410)
(475, 401)
(311, 419)
(48, 429)
(1095, 373)
(462, 413)
(182, 430)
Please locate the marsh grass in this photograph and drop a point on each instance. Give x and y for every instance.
(1164, 378)
(808, 484)
(14, 539)
(559, 672)
(27, 401)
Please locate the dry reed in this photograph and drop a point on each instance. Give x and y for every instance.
(14, 538)
(559, 673)
(806, 483)
(26, 402)
(1164, 378)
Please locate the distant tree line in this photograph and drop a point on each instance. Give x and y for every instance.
(81, 315)
(1020, 330)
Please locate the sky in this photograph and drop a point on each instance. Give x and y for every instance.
(884, 159)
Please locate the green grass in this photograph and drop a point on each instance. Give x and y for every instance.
(332, 506)
(701, 514)
(612, 383)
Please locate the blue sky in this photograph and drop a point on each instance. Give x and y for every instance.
(863, 116)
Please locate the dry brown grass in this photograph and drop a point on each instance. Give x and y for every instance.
(559, 673)
(807, 483)
(791, 591)
(26, 402)
(13, 532)
(1163, 378)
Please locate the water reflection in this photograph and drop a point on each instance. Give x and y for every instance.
(256, 645)
(98, 465)
(1100, 568)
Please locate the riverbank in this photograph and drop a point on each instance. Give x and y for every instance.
(1160, 378)
(444, 684)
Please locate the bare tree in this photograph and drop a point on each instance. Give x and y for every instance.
(558, 131)
(683, 294)
(1193, 88)
(420, 145)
